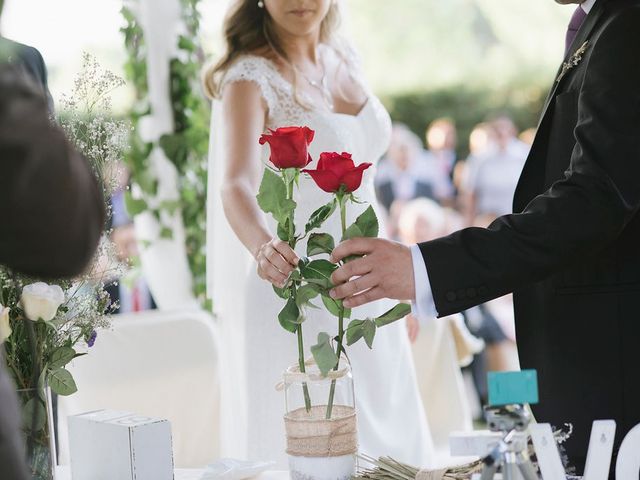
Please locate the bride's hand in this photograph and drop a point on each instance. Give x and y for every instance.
(276, 260)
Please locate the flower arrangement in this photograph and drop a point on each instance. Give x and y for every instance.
(45, 326)
(336, 173)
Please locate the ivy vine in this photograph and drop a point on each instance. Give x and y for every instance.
(186, 147)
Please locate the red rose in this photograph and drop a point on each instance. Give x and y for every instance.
(289, 146)
(335, 169)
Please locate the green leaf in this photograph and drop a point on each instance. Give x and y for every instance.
(34, 414)
(272, 197)
(358, 329)
(368, 222)
(283, 293)
(320, 216)
(366, 225)
(353, 231)
(369, 332)
(354, 331)
(306, 293)
(134, 206)
(170, 205)
(319, 272)
(166, 233)
(323, 354)
(283, 231)
(60, 357)
(396, 313)
(289, 316)
(61, 382)
(320, 243)
(334, 306)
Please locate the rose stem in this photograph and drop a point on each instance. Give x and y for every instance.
(343, 222)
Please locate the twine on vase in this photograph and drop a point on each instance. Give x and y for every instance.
(431, 474)
(310, 434)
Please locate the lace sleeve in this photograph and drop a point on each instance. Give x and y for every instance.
(252, 69)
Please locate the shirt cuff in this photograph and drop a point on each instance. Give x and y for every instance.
(423, 307)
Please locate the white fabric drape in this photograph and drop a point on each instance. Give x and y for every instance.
(225, 254)
(164, 261)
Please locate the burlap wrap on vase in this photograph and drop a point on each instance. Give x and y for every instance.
(310, 434)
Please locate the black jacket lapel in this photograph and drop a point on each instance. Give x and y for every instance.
(583, 35)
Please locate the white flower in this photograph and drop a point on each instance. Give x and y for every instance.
(5, 328)
(41, 301)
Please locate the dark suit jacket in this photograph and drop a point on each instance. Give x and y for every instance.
(572, 253)
(29, 60)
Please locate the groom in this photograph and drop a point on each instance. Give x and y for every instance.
(570, 253)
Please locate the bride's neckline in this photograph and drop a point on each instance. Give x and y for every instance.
(274, 67)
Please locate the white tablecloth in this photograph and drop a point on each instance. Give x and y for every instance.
(64, 473)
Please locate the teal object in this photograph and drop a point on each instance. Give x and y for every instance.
(506, 388)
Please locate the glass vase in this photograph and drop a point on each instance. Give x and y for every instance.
(322, 441)
(39, 433)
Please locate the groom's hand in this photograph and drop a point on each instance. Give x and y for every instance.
(385, 271)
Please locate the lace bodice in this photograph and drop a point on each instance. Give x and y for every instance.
(284, 110)
(365, 135)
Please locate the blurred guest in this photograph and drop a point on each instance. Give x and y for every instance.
(441, 345)
(528, 135)
(441, 139)
(481, 140)
(494, 174)
(131, 292)
(400, 177)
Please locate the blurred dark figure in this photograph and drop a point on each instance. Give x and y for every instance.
(27, 59)
(401, 175)
(441, 139)
(129, 294)
(52, 215)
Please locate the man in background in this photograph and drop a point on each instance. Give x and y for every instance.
(28, 59)
(51, 208)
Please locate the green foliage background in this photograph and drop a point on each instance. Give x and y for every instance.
(463, 59)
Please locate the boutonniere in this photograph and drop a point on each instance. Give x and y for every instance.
(573, 61)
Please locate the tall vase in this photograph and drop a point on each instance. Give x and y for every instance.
(39, 434)
(319, 446)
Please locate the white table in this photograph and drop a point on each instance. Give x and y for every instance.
(64, 473)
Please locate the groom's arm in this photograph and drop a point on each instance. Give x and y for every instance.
(577, 217)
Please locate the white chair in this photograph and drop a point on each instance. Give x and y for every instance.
(157, 364)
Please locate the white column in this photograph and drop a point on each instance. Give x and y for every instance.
(164, 261)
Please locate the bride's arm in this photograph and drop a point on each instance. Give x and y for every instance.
(244, 114)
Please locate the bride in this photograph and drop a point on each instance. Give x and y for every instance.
(285, 66)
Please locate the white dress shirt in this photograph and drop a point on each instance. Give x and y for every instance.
(424, 307)
(587, 5)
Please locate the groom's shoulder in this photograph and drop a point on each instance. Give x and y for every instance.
(617, 8)
(621, 23)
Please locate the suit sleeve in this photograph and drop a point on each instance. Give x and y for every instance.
(51, 208)
(579, 215)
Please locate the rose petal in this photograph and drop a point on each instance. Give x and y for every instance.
(353, 179)
(310, 134)
(325, 179)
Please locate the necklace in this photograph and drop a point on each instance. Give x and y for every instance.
(322, 86)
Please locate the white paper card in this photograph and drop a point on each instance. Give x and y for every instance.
(600, 449)
(628, 463)
(547, 452)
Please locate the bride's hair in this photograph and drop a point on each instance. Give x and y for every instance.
(249, 28)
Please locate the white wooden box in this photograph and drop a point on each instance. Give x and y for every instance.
(115, 445)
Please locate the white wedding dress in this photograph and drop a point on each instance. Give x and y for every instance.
(256, 350)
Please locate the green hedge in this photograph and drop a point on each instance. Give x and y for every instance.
(467, 107)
